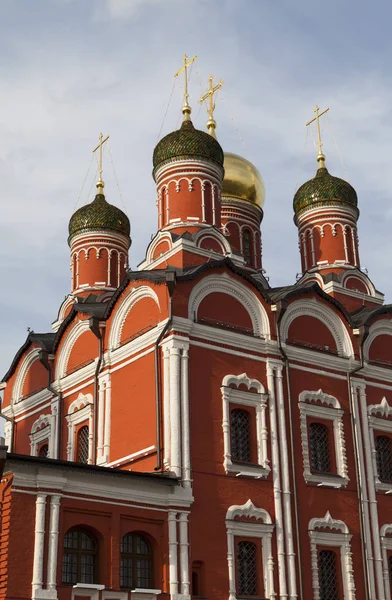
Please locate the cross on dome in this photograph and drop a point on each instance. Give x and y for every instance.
(100, 183)
(212, 89)
(186, 109)
(320, 155)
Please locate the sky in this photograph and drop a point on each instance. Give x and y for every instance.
(70, 69)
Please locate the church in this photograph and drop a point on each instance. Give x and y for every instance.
(188, 431)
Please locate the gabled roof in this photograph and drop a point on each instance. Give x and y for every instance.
(45, 340)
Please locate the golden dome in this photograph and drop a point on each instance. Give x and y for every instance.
(242, 181)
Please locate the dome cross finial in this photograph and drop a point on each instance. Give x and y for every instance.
(320, 155)
(212, 89)
(100, 183)
(186, 109)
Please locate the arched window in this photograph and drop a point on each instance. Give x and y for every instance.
(240, 435)
(247, 247)
(44, 451)
(247, 569)
(80, 557)
(82, 445)
(136, 564)
(328, 575)
(384, 457)
(320, 461)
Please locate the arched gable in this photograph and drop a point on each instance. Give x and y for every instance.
(225, 284)
(314, 308)
(24, 367)
(76, 331)
(159, 239)
(129, 300)
(378, 344)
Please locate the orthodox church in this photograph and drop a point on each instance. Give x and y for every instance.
(186, 430)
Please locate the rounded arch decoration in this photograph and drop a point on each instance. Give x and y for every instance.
(312, 308)
(382, 327)
(77, 330)
(24, 367)
(135, 295)
(227, 285)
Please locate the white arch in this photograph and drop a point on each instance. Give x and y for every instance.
(382, 327)
(81, 401)
(248, 510)
(328, 522)
(161, 236)
(25, 365)
(243, 379)
(129, 301)
(77, 330)
(40, 423)
(313, 308)
(225, 284)
(218, 237)
(319, 396)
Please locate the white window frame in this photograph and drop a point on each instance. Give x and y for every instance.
(333, 533)
(80, 410)
(386, 544)
(378, 419)
(256, 400)
(40, 432)
(262, 531)
(328, 410)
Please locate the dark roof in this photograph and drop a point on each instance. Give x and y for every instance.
(163, 478)
(45, 340)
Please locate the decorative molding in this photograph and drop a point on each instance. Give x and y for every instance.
(24, 367)
(225, 284)
(257, 400)
(386, 547)
(263, 531)
(330, 411)
(382, 424)
(312, 308)
(40, 432)
(383, 409)
(80, 410)
(337, 535)
(132, 296)
(71, 337)
(382, 327)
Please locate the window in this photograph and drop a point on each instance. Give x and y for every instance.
(247, 569)
(319, 448)
(80, 553)
(383, 445)
(247, 249)
(80, 414)
(136, 564)
(82, 445)
(240, 435)
(244, 424)
(328, 575)
(197, 578)
(322, 437)
(40, 436)
(43, 451)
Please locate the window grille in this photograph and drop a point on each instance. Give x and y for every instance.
(136, 564)
(384, 457)
(44, 451)
(319, 448)
(247, 247)
(79, 557)
(328, 575)
(247, 569)
(82, 445)
(240, 435)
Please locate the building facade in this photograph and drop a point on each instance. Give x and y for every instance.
(187, 430)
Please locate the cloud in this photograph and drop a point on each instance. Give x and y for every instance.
(126, 9)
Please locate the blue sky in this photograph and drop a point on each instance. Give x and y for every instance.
(71, 68)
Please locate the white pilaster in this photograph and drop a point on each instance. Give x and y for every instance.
(184, 554)
(108, 406)
(173, 562)
(39, 543)
(186, 458)
(166, 406)
(53, 541)
(101, 401)
(175, 410)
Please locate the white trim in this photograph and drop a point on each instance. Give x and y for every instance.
(39, 544)
(382, 327)
(132, 296)
(83, 406)
(53, 542)
(386, 544)
(223, 283)
(329, 411)
(41, 431)
(263, 531)
(257, 400)
(331, 538)
(71, 337)
(24, 367)
(327, 316)
(378, 421)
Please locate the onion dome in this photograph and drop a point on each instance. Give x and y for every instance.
(187, 142)
(242, 181)
(324, 190)
(98, 215)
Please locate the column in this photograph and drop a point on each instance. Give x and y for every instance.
(173, 565)
(184, 554)
(53, 541)
(166, 406)
(108, 406)
(230, 562)
(175, 411)
(186, 472)
(39, 543)
(101, 401)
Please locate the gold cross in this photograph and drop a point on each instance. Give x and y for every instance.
(210, 94)
(320, 156)
(100, 146)
(186, 109)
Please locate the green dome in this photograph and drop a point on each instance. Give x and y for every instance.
(187, 142)
(324, 190)
(100, 215)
